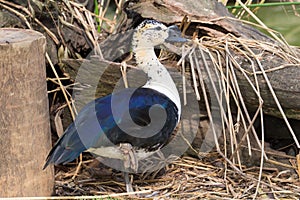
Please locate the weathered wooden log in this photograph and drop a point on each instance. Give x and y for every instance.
(208, 18)
(24, 117)
(284, 81)
(212, 19)
(98, 78)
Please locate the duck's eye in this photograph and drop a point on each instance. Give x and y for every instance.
(158, 28)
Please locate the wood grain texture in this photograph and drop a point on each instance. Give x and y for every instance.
(24, 118)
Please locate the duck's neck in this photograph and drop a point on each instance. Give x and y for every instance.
(159, 78)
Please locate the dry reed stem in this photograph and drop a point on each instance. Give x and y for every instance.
(188, 177)
(61, 86)
(235, 92)
(15, 6)
(16, 13)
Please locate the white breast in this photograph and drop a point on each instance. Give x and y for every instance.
(171, 93)
(114, 152)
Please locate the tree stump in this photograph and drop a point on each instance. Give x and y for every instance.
(24, 116)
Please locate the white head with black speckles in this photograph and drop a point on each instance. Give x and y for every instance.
(149, 33)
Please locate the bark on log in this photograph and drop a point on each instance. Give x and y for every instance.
(212, 19)
(209, 18)
(24, 117)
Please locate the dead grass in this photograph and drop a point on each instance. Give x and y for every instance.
(185, 178)
(220, 174)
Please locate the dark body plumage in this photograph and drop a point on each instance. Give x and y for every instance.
(102, 122)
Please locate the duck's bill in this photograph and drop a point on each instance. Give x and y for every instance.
(175, 35)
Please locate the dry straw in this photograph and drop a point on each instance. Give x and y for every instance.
(221, 173)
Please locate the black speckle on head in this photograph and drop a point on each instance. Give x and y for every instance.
(149, 21)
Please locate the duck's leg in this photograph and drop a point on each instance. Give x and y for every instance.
(128, 182)
(130, 162)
